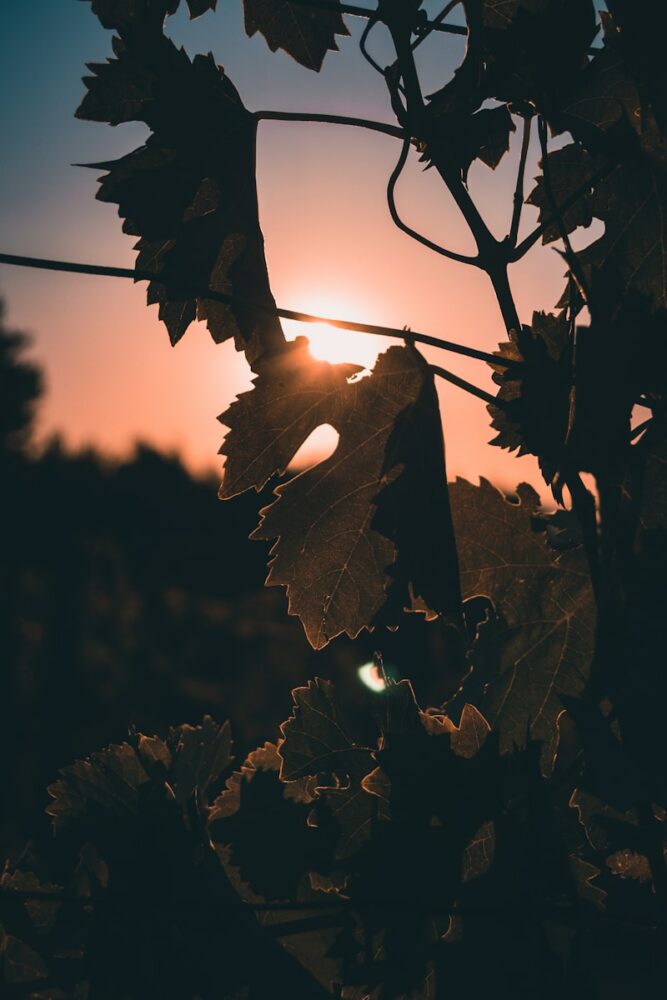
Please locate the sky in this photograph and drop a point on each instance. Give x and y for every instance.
(112, 377)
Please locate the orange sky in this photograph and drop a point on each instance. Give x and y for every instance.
(113, 378)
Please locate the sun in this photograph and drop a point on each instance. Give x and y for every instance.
(330, 343)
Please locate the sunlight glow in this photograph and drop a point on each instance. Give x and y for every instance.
(371, 677)
(329, 343)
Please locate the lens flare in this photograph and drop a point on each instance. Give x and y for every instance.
(370, 675)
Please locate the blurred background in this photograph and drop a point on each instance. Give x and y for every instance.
(130, 595)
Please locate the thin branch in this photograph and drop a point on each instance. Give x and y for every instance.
(372, 21)
(164, 278)
(393, 211)
(518, 192)
(295, 116)
(434, 25)
(467, 386)
(583, 505)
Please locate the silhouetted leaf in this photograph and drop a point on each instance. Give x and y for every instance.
(545, 604)
(479, 852)
(584, 874)
(20, 962)
(465, 138)
(630, 201)
(116, 781)
(569, 169)
(200, 755)
(606, 115)
(132, 13)
(342, 524)
(437, 786)
(42, 912)
(188, 193)
(265, 823)
(639, 30)
(315, 744)
(534, 397)
(307, 35)
(535, 49)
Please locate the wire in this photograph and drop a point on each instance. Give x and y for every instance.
(163, 278)
(354, 11)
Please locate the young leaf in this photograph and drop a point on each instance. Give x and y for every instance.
(189, 193)
(307, 35)
(314, 742)
(382, 494)
(545, 603)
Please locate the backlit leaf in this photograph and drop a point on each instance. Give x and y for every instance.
(366, 532)
(545, 604)
(314, 742)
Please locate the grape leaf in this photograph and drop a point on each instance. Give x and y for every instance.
(41, 912)
(545, 604)
(116, 780)
(382, 494)
(438, 785)
(126, 13)
(314, 742)
(534, 396)
(569, 169)
(606, 114)
(639, 31)
(20, 962)
(463, 138)
(255, 797)
(189, 193)
(200, 755)
(307, 35)
(534, 49)
(316, 745)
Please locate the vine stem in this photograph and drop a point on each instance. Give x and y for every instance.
(467, 386)
(557, 213)
(518, 191)
(398, 221)
(298, 116)
(105, 271)
(492, 255)
(434, 25)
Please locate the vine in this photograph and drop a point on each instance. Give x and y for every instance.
(513, 839)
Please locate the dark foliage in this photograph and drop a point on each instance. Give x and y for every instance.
(511, 842)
